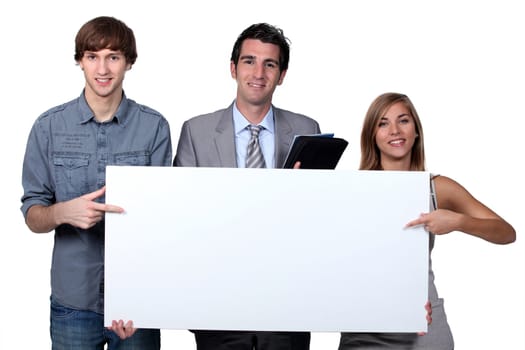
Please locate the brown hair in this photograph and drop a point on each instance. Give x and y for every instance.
(106, 33)
(370, 155)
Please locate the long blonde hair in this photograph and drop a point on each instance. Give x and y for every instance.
(370, 155)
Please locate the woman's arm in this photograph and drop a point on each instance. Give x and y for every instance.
(458, 210)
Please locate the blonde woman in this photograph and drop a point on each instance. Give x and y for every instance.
(392, 139)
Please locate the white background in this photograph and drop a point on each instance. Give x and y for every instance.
(461, 62)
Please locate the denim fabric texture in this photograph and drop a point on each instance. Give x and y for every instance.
(66, 157)
(84, 330)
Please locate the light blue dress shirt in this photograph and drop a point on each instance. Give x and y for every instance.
(242, 137)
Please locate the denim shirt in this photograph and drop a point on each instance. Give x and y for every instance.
(66, 157)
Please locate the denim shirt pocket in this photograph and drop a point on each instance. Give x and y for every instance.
(134, 158)
(71, 174)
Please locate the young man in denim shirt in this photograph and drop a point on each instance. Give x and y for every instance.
(63, 177)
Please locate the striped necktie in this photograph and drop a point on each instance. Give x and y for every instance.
(254, 156)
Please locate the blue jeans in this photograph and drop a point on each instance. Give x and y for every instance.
(84, 330)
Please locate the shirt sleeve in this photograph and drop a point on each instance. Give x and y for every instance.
(36, 179)
(162, 150)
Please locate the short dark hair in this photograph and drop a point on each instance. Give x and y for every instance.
(106, 33)
(267, 34)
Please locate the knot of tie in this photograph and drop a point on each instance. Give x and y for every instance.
(255, 130)
(254, 156)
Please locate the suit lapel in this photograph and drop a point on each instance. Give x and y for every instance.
(225, 139)
(283, 137)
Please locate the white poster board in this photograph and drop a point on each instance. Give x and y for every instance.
(266, 249)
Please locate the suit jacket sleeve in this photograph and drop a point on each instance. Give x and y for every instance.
(185, 151)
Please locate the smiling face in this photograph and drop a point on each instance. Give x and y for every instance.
(104, 72)
(395, 137)
(257, 73)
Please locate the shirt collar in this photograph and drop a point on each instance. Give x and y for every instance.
(240, 122)
(86, 114)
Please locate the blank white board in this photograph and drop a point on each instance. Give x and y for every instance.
(266, 249)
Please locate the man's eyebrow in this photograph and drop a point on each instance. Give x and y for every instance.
(251, 57)
(271, 60)
(111, 52)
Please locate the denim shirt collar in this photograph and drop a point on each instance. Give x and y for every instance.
(86, 114)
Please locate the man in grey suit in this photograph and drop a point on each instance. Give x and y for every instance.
(259, 63)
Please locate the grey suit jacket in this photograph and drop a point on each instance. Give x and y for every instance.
(208, 140)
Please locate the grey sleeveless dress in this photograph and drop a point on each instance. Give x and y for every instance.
(438, 337)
